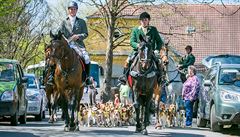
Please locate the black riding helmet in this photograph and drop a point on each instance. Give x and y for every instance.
(144, 15)
(188, 47)
(72, 4)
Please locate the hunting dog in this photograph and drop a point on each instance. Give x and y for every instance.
(171, 116)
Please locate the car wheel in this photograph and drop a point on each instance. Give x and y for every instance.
(43, 115)
(201, 122)
(39, 116)
(215, 127)
(234, 126)
(14, 119)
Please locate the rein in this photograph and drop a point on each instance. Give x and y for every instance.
(173, 80)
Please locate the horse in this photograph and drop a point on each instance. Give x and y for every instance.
(68, 78)
(50, 89)
(141, 80)
(174, 82)
(159, 84)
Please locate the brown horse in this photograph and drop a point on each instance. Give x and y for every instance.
(50, 90)
(143, 75)
(158, 85)
(68, 78)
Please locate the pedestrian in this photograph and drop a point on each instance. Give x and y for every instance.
(124, 92)
(92, 91)
(116, 101)
(190, 91)
(187, 60)
(75, 30)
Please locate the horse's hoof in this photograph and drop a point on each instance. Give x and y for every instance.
(50, 121)
(66, 129)
(138, 130)
(77, 128)
(144, 132)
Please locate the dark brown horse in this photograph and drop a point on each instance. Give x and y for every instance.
(50, 90)
(68, 78)
(158, 85)
(144, 76)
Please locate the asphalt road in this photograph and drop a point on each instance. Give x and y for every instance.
(44, 129)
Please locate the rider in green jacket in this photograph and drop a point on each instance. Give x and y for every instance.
(145, 30)
(186, 61)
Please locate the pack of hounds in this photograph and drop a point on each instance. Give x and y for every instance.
(170, 116)
(107, 115)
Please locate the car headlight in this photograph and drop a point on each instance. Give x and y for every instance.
(7, 96)
(226, 96)
(33, 97)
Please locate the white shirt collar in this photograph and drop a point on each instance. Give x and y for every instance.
(72, 20)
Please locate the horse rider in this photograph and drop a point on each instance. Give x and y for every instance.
(148, 31)
(186, 61)
(75, 30)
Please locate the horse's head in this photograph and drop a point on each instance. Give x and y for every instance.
(58, 45)
(164, 54)
(145, 53)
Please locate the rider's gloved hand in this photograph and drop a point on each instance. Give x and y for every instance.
(75, 37)
(157, 53)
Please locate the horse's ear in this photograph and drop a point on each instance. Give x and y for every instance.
(51, 34)
(59, 34)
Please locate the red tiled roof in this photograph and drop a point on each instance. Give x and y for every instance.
(215, 33)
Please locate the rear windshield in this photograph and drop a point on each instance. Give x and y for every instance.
(32, 83)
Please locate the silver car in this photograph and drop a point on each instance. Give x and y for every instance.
(36, 98)
(219, 98)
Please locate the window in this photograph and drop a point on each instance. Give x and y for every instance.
(211, 74)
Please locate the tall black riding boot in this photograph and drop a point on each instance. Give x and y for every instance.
(88, 73)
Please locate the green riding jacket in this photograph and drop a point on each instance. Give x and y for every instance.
(187, 60)
(152, 31)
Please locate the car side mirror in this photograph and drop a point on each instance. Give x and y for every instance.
(24, 80)
(207, 83)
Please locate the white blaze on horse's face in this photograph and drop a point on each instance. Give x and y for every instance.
(145, 53)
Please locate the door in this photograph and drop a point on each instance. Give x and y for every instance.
(208, 91)
(21, 90)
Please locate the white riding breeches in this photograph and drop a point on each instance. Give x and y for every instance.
(81, 52)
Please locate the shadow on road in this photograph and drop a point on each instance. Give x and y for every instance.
(31, 122)
(116, 133)
(16, 134)
(232, 132)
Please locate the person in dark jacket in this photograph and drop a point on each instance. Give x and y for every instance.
(145, 29)
(186, 61)
(75, 30)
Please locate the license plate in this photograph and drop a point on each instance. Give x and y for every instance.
(32, 108)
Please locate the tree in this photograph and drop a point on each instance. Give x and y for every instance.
(23, 38)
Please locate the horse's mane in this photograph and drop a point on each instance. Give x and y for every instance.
(173, 61)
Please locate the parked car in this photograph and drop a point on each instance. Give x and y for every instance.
(13, 101)
(36, 97)
(219, 98)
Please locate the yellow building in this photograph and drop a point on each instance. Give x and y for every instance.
(97, 39)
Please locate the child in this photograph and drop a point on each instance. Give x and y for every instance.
(116, 101)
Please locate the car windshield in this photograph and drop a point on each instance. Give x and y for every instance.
(31, 82)
(229, 76)
(7, 72)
